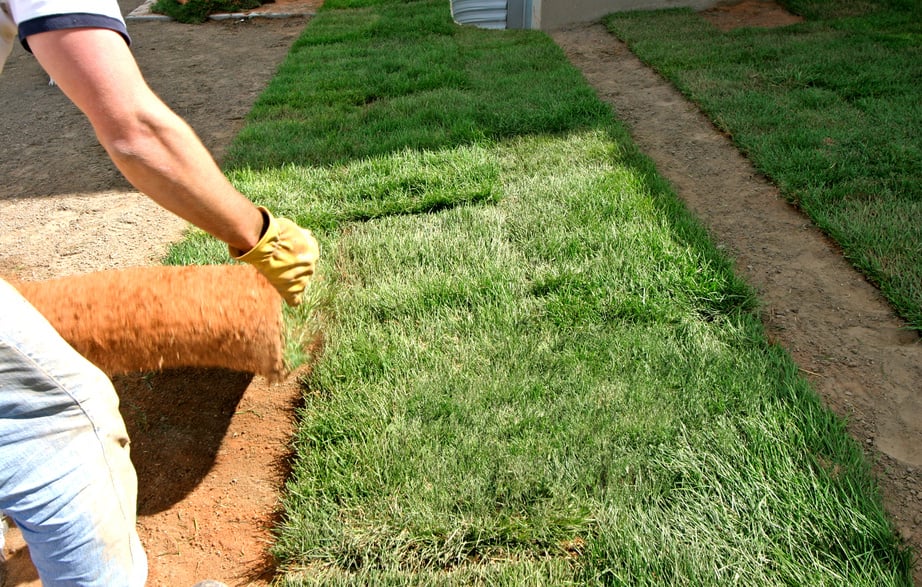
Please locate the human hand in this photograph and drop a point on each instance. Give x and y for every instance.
(8, 32)
(286, 255)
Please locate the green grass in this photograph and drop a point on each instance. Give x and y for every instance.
(828, 109)
(393, 79)
(198, 11)
(537, 369)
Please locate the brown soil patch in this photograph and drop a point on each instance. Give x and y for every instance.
(732, 14)
(211, 447)
(287, 7)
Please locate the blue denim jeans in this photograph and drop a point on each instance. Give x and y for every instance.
(66, 478)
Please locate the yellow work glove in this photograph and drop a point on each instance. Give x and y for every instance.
(285, 255)
(8, 32)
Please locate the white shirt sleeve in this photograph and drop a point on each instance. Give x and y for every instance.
(38, 16)
(23, 10)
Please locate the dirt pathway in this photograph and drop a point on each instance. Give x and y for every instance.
(210, 447)
(838, 328)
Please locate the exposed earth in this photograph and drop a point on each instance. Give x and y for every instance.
(211, 447)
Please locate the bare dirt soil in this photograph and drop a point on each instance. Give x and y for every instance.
(211, 447)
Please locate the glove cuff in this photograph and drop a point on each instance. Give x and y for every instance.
(270, 231)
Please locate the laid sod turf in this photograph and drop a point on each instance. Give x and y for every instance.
(829, 109)
(537, 369)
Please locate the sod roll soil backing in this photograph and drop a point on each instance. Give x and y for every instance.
(152, 318)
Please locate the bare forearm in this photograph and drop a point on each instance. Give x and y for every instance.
(162, 156)
(165, 160)
(152, 146)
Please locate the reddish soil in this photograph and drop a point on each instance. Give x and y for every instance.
(728, 15)
(211, 447)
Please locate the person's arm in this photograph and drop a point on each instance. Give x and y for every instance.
(152, 146)
(163, 157)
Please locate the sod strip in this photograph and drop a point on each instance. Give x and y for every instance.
(828, 109)
(553, 378)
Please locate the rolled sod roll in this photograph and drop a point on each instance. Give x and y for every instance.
(153, 318)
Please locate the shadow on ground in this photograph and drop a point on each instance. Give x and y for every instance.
(177, 421)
